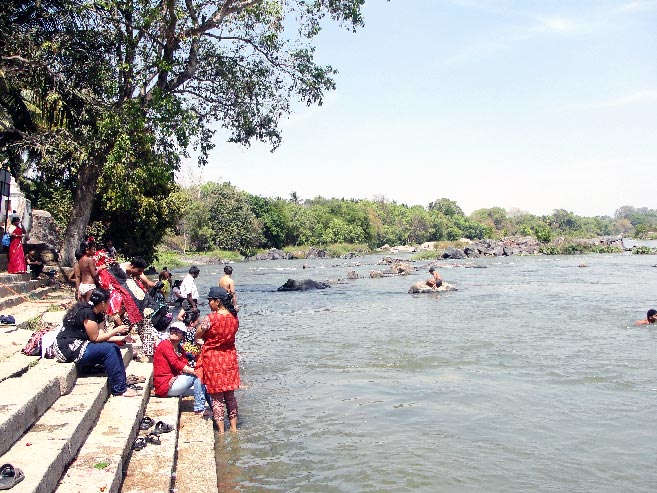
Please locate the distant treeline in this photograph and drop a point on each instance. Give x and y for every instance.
(220, 216)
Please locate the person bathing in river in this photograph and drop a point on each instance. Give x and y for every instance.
(436, 281)
(217, 365)
(651, 318)
(228, 284)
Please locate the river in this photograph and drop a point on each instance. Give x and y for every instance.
(530, 377)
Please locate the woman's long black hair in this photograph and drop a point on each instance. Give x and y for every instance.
(98, 295)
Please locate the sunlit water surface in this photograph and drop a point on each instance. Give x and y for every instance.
(530, 377)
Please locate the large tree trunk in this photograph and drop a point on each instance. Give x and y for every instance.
(83, 200)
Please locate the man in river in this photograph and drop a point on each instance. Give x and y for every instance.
(188, 289)
(651, 318)
(436, 281)
(228, 284)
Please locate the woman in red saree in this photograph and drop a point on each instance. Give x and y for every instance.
(16, 263)
(217, 366)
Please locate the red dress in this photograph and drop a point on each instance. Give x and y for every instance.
(217, 364)
(17, 264)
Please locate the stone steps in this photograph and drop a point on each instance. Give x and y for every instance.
(100, 462)
(67, 435)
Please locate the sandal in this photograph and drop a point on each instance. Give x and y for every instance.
(135, 386)
(146, 423)
(10, 476)
(162, 427)
(139, 443)
(135, 379)
(154, 438)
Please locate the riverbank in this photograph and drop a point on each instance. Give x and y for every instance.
(461, 249)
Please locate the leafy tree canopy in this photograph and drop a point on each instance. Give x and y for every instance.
(99, 87)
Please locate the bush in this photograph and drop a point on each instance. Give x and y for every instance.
(644, 250)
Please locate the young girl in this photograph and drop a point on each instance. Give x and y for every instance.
(217, 364)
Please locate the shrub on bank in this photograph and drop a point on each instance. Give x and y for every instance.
(644, 250)
(577, 249)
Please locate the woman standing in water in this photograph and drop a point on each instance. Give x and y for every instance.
(16, 263)
(217, 365)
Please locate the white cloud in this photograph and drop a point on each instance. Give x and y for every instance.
(558, 24)
(638, 6)
(637, 97)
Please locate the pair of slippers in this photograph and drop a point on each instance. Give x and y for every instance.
(140, 442)
(10, 476)
(134, 380)
(160, 426)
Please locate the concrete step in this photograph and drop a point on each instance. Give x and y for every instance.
(28, 397)
(55, 436)
(151, 469)
(19, 298)
(21, 287)
(6, 278)
(100, 462)
(196, 468)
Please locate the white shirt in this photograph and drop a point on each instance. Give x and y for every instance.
(189, 286)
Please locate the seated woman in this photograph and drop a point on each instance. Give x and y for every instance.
(172, 375)
(85, 342)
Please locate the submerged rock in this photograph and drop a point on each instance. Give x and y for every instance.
(294, 285)
(421, 287)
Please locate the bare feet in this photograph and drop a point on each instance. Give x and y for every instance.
(130, 393)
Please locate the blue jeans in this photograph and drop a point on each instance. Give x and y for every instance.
(107, 354)
(185, 385)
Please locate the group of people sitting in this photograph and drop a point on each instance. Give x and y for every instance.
(190, 355)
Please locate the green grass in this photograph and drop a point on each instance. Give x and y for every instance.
(334, 250)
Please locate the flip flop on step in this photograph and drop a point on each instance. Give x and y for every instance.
(153, 438)
(162, 427)
(146, 423)
(135, 379)
(10, 476)
(134, 386)
(139, 443)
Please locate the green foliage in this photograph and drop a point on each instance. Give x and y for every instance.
(447, 207)
(103, 113)
(577, 248)
(644, 250)
(167, 258)
(542, 233)
(342, 249)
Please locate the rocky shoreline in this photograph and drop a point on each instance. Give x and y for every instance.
(515, 245)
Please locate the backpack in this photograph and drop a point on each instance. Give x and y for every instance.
(6, 240)
(161, 318)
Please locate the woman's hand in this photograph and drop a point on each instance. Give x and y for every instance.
(121, 329)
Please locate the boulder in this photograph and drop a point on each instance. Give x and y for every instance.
(471, 252)
(421, 287)
(304, 285)
(454, 253)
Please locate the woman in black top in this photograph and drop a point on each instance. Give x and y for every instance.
(84, 341)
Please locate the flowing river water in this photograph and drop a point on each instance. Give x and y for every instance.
(530, 377)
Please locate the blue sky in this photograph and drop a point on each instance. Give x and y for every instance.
(533, 105)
